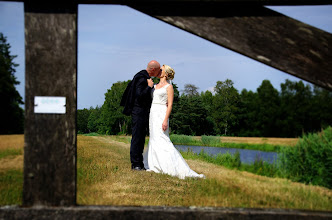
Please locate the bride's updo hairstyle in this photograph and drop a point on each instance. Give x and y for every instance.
(169, 71)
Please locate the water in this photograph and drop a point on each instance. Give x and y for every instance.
(246, 156)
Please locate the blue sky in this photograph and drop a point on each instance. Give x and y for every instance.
(115, 42)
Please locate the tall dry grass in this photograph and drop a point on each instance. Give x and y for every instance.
(11, 152)
(105, 178)
(11, 169)
(11, 142)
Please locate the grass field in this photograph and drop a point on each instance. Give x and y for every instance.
(105, 178)
(11, 169)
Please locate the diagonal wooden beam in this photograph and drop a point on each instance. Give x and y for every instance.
(232, 2)
(256, 32)
(188, 2)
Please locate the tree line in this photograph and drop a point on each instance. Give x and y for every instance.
(296, 109)
(11, 114)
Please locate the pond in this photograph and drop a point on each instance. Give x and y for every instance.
(246, 156)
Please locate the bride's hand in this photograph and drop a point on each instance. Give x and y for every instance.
(165, 125)
(150, 82)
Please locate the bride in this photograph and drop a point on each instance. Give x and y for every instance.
(162, 156)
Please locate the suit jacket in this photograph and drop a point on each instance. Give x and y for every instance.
(137, 93)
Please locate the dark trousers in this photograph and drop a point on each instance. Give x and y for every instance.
(140, 122)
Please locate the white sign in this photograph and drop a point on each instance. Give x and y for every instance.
(50, 105)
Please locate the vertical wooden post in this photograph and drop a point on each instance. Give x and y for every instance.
(51, 70)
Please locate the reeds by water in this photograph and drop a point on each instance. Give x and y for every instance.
(215, 141)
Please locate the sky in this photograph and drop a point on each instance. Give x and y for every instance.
(115, 42)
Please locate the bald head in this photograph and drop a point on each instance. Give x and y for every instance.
(153, 68)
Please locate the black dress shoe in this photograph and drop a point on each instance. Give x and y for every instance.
(138, 168)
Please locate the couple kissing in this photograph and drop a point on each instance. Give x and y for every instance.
(150, 106)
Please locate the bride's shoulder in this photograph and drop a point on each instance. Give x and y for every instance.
(169, 86)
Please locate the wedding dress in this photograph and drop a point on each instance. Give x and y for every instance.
(161, 155)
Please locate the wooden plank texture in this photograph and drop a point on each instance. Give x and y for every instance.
(257, 32)
(51, 70)
(233, 2)
(161, 212)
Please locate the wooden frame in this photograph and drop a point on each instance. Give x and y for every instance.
(51, 70)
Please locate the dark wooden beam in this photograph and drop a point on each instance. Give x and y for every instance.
(228, 2)
(50, 70)
(256, 32)
(153, 213)
(188, 2)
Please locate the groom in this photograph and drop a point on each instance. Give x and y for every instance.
(137, 102)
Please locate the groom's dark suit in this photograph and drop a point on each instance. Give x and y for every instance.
(137, 102)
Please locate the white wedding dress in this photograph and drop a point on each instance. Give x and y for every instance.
(161, 155)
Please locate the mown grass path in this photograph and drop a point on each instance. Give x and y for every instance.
(105, 178)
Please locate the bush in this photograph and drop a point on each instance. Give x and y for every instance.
(310, 161)
(227, 159)
(263, 168)
(211, 141)
(182, 139)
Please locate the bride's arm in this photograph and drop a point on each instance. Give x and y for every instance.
(170, 97)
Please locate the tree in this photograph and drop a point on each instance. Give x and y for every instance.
(191, 117)
(176, 106)
(190, 90)
(225, 106)
(176, 93)
(248, 110)
(208, 100)
(82, 120)
(12, 117)
(112, 120)
(268, 103)
(296, 99)
(321, 111)
(94, 119)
